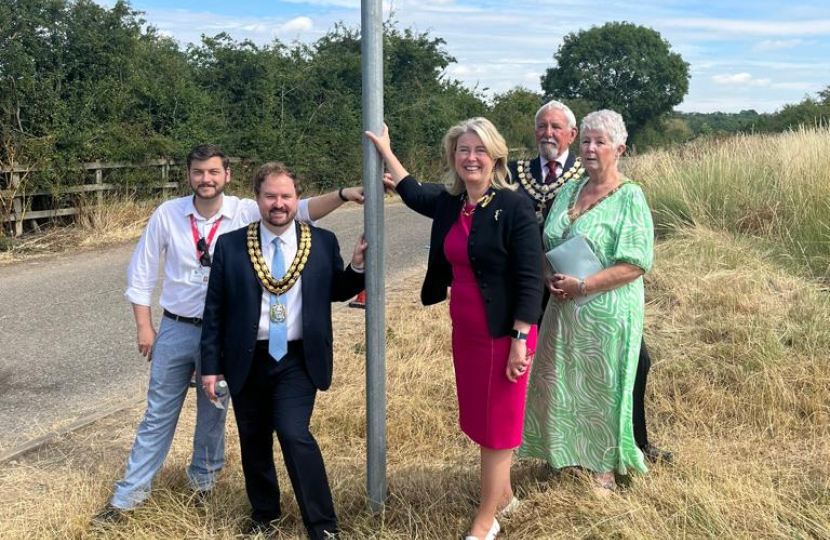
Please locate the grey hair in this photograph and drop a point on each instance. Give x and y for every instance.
(557, 106)
(609, 122)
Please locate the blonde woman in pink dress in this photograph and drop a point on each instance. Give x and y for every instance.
(485, 246)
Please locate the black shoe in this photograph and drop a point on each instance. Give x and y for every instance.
(109, 516)
(657, 455)
(255, 527)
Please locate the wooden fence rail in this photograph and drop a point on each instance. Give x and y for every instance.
(16, 198)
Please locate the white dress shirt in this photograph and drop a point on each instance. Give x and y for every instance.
(560, 164)
(292, 299)
(169, 233)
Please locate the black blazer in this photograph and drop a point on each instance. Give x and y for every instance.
(232, 307)
(535, 169)
(504, 248)
(538, 175)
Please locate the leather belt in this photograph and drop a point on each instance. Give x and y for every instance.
(196, 321)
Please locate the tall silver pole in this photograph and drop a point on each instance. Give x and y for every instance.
(372, 62)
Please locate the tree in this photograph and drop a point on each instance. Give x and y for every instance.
(512, 112)
(619, 66)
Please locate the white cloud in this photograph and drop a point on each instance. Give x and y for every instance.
(300, 24)
(740, 79)
(352, 4)
(777, 45)
(800, 86)
(764, 28)
(256, 28)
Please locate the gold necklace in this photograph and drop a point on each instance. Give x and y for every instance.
(482, 201)
(268, 282)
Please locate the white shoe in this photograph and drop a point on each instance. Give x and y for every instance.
(510, 508)
(491, 534)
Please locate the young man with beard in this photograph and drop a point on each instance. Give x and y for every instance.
(268, 331)
(185, 231)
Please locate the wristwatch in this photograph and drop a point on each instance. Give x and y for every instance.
(515, 334)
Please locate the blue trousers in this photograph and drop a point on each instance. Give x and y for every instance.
(175, 357)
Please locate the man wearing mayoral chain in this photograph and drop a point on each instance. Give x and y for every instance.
(267, 330)
(185, 230)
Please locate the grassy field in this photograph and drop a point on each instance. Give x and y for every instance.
(774, 188)
(739, 390)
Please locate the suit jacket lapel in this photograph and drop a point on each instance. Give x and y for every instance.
(536, 170)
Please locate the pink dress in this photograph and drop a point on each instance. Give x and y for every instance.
(490, 407)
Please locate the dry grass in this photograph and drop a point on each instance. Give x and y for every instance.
(739, 391)
(114, 222)
(774, 187)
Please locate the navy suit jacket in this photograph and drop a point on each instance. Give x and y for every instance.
(539, 176)
(232, 307)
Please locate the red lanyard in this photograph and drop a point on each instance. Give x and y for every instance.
(196, 236)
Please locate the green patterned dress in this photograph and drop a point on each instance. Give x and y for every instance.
(579, 396)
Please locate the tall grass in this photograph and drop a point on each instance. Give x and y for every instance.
(773, 187)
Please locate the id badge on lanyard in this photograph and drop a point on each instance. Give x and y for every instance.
(202, 274)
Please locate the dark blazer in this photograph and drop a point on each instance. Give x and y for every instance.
(504, 250)
(538, 175)
(232, 307)
(535, 168)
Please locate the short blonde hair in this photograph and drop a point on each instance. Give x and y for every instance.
(494, 144)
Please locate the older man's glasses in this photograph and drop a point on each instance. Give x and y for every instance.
(204, 254)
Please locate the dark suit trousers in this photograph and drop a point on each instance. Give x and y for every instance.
(279, 396)
(638, 412)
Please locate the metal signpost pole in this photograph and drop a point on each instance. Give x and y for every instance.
(372, 63)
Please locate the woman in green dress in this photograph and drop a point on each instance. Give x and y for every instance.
(579, 396)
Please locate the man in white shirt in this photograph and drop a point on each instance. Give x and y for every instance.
(185, 231)
(268, 331)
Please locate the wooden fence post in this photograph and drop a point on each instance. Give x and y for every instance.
(99, 179)
(17, 204)
(165, 178)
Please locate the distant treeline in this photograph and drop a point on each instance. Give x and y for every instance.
(81, 82)
(809, 112)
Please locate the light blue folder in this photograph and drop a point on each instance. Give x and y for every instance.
(574, 257)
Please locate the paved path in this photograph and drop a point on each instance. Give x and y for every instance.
(67, 337)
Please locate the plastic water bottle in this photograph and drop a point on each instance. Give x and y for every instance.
(222, 395)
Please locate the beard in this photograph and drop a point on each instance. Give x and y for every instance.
(204, 192)
(279, 219)
(548, 150)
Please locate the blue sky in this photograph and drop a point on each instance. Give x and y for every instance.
(743, 54)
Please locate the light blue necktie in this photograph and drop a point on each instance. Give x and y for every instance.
(277, 331)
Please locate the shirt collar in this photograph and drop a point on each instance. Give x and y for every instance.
(561, 160)
(225, 211)
(289, 237)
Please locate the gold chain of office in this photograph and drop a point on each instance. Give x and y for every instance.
(269, 282)
(541, 192)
